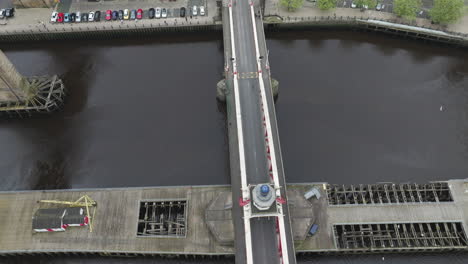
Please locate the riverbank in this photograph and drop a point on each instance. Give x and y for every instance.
(310, 15)
(32, 24)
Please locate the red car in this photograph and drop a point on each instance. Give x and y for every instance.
(60, 17)
(139, 14)
(108, 15)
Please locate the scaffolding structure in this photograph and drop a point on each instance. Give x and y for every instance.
(380, 236)
(162, 218)
(388, 193)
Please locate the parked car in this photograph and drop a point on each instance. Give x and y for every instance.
(194, 11)
(2, 13)
(378, 7)
(182, 11)
(126, 14)
(60, 17)
(84, 17)
(66, 18)
(164, 13)
(139, 14)
(78, 17)
(108, 15)
(151, 13)
(121, 14)
(133, 14)
(115, 15)
(72, 17)
(353, 5)
(97, 16)
(9, 12)
(53, 18)
(91, 16)
(157, 12)
(202, 10)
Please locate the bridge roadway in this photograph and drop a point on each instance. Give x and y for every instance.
(257, 240)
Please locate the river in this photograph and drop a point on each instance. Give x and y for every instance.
(353, 108)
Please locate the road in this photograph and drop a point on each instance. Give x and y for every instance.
(263, 231)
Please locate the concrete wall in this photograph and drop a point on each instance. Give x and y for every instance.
(11, 81)
(34, 3)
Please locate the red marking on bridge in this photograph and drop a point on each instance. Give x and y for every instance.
(243, 202)
(281, 200)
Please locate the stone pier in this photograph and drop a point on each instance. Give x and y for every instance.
(13, 86)
(24, 96)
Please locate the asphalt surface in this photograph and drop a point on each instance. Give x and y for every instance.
(6, 4)
(264, 243)
(263, 230)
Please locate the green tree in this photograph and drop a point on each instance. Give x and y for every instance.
(369, 3)
(292, 5)
(446, 11)
(406, 8)
(326, 4)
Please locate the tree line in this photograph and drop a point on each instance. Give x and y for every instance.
(443, 11)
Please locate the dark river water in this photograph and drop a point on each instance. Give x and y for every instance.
(353, 108)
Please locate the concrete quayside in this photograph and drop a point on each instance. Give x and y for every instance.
(197, 220)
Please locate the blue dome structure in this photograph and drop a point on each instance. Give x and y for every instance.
(264, 190)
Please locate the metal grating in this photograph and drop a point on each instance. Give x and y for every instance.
(162, 218)
(435, 235)
(389, 193)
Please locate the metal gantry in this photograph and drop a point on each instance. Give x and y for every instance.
(163, 218)
(404, 236)
(388, 193)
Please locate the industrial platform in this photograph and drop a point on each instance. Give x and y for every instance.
(196, 220)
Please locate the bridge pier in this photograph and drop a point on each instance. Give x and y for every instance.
(222, 89)
(24, 96)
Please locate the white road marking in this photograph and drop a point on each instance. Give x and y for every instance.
(240, 135)
(284, 243)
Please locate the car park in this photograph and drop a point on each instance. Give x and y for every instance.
(115, 15)
(157, 12)
(53, 18)
(126, 14)
(84, 17)
(151, 13)
(9, 12)
(133, 14)
(72, 17)
(60, 17)
(139, 14)
(182, 11)
(78, 17)
(2, 13)
(108, 15)
(121, 14)
(66, 18)
(194, 10)
(202, 10)
(97, 16)
(91, 16)
(164, 13)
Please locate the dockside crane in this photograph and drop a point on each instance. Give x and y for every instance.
(83, 201)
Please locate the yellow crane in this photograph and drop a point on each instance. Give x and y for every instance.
(83, 201)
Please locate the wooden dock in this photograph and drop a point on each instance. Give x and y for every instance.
(434, 225)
